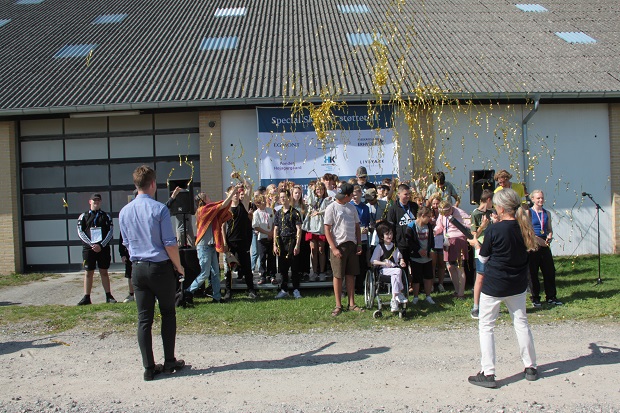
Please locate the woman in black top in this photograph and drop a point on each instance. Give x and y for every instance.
(505, 254)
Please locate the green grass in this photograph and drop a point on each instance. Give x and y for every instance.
(576, 282)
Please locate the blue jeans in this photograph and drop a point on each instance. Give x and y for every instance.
(255, 259)
(209, 267)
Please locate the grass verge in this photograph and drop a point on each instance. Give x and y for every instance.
(576, 282)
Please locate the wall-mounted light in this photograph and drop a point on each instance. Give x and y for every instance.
(212, 124)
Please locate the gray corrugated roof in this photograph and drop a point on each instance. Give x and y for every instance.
(153, 57)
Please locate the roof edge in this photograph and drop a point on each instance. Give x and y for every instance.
(206, 103)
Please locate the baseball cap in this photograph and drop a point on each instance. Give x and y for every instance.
(370, 194)
(344, 190)
(361, 172)
(95, 196)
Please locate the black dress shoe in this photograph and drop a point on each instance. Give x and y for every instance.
(150, 373)
(172, 366)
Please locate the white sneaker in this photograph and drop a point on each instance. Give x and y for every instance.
(415, 300)
(429, 300)
(282, 294)
(401, 298)
(394, 305)
(296, 294)
(441, 289)
(129, 299)
(322, 276)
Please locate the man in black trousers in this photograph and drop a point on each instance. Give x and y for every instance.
(147, 233)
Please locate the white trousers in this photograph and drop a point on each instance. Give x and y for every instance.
(395, 274)
(489, 311)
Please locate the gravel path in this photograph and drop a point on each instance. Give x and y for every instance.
(385, 370)
(370, 371)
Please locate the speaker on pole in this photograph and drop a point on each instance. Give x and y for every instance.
(184, 201)
(479, 180)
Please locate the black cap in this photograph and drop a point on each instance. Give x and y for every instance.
(95, 196)
(344, 190)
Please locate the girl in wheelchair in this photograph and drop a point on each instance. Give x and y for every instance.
(388, 259)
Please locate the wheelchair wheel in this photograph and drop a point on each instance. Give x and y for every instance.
(377, 314)
(369, 289)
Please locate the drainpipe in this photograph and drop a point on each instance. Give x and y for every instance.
(525, 142)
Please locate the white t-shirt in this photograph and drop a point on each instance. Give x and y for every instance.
(263, 219)
(342, 219)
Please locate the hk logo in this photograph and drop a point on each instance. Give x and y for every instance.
(329, 159)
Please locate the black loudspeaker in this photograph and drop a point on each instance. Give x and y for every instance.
(184, 201)
(479, 180)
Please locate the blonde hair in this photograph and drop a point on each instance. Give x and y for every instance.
(536, 191)
(510, 201)
(444, 205)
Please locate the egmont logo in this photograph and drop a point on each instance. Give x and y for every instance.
(286, 145)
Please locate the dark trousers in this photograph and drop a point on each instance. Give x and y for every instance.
(155, 280)
(542, 258)
(242, 252)
(287, 260)
(304, 255)
(267, 259)
(359, 278)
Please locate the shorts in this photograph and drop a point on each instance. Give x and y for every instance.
(316, 237)
(421, 271)
(479, 267)
(128, 268)
(456, 250)
(348, 264)
(93, 260)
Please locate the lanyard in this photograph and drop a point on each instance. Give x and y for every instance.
(407, 210)
(541, 220)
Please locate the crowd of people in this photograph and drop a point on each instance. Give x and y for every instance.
(336, 229)
(286, 228)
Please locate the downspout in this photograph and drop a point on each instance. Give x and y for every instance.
(525, 142)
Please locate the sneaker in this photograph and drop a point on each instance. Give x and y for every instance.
(274, 280)
(440, 288)
(475, 313)
(401, 298)
(429, 300)
(322, 277)
(129, 299)
(296, 294)
(263, 280)
(553, 301)
(531, 374)
(313, 277)
(536, 304)
(110, 300)
(252, 295)
(482, 380)
(394, 305)
(149, 374)
(172, 366)
(85, 300)
(282, 294)
(415, 300)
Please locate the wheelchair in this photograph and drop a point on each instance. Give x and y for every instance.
(378, 286)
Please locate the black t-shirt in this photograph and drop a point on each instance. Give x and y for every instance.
(505, 273)
(239, 226)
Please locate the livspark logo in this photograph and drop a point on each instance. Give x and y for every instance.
(329, 159)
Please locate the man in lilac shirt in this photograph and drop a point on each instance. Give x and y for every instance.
(147, 233)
